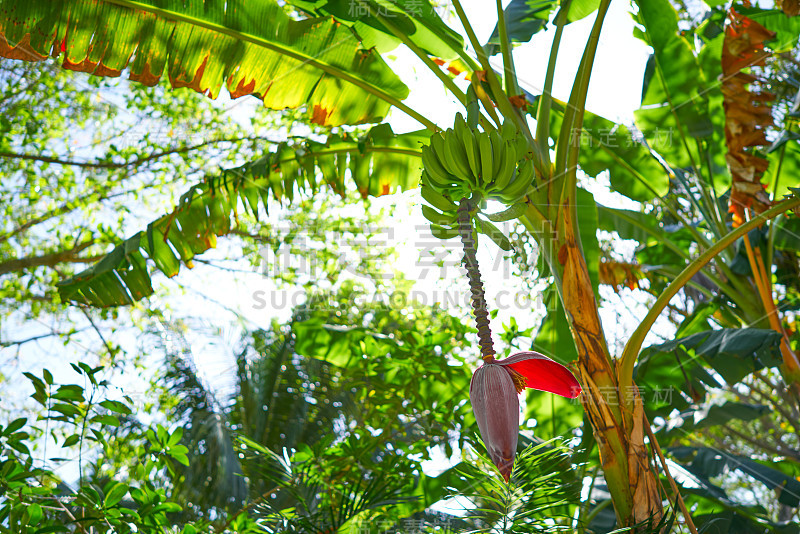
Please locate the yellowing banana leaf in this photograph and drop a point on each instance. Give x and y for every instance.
(380, 164)
(252, 47)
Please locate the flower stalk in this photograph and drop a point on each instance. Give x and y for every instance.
(479, 307)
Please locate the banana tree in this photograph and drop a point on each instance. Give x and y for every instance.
(326, 58)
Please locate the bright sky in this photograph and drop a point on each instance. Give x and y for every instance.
(616, 84)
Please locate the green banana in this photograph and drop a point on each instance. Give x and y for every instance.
(459, 122)
(498, 153)
(500, 194)
(526, 170)
(506, 172)
(427, 179)
(456, 157)
(522, 182)
(437, 200)
(487, 158)
(438, 146)
(442, 232)
(513, 212)
(473, 157)
(473, 108)
(521, 146)
(495, 234)
(437, 218)
(508, 131)
(434, 167)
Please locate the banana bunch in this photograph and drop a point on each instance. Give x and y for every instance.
(461, 162)
(464, 162)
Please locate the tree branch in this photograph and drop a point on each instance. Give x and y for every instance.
(112, 165)
(49, 260)
(6, 344)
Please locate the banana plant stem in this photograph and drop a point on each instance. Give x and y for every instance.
(479, 307)
(546, 100)
(509, 72)
(444, 78)
(634, 345)
(673, 485)
(500, 97)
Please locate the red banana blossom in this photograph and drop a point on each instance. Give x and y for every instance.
(494, 391)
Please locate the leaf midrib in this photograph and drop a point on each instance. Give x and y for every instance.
(259, 41)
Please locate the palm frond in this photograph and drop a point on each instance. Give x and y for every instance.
(540, 497)
(379, 163)
(324, 494)
(213, 478)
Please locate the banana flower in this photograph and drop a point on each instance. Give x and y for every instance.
(494, 391)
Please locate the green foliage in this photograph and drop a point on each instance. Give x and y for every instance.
(525, 18)
(687, 364)
(672, 94)
(541, 496)
(332, 486)
(291, 397)
(333, 412)
(417, 19)
(605, 145)
(245, 47)
(209, 209)
(37, 501)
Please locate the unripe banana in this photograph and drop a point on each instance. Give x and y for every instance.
(495, 234)
(427, 179)
(456, 157)
(498, 152)
(508, 131)
(434, 167)
(438, 145)
(522, 147)
(513, 212)
(436, 175)
(487, 157)
(505, 177)
(526, 171)
(473, 157)
(521, 183)
(437, 218)
(442, 232)
(506, 172)
(437, 200)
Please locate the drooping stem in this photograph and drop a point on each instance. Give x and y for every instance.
(631, 352)
(479, 307)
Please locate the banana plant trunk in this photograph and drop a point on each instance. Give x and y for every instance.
(617, 417)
